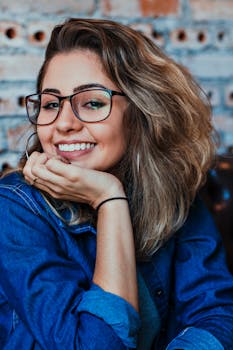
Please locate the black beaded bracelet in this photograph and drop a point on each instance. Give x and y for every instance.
(109, 199)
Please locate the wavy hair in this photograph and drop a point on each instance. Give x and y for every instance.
(171, 144)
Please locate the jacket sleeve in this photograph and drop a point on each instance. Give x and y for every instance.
(203, 297)
(50, 292)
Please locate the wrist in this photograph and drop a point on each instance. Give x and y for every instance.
(113, 190)
(108, 200)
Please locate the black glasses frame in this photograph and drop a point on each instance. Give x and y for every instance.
(70, 97)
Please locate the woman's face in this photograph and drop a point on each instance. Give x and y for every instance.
(98, 145)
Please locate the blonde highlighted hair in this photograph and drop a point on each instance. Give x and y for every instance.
(170, 142)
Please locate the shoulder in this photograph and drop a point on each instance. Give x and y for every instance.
(19, 198)
(198, 244)
(14, 189)
(23, 207)
(199, 222)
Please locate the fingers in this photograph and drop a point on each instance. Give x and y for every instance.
(34, 180)
(68, 181)
(29, 168)
(37, 173)
(59, 167)
(50, 175)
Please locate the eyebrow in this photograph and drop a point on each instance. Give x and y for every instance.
(78, 88)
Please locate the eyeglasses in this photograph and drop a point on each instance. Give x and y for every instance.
(90, 106)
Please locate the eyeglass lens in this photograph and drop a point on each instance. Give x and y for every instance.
(89, 106)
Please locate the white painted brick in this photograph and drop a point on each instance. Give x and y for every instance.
(20, 67)
(120, 8)
(210, 60)
(231, 37)
(212, 9)
(38, 33)
(227, 140)
(57, 7)
(222, 37)
(212, 91)
(11, 34)
(2, 139)
(147, 29)
(223, 123)
(190, 38)
(209, 65)
(224, 126)
(10, 99)
(17, 135)
(10, 158)
(229, 95)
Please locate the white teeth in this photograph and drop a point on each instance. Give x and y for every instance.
(75, 146)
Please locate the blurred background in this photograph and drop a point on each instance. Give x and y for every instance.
(197, 33)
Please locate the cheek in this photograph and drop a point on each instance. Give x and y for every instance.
(117, 142)
(112, 135)
(44, 135)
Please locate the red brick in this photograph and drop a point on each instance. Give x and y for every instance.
(158, 7)
(137, 8)
(212, 9)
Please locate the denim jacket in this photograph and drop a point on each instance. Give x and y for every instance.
(48, 299)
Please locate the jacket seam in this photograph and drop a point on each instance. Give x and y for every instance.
(24, 196)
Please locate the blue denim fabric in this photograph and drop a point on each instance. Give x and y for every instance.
(195, 339)
(48, 300)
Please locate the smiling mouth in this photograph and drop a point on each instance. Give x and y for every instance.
(75, 146)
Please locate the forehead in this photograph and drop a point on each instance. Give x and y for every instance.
(79, 67)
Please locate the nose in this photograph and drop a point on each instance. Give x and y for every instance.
(66, 120)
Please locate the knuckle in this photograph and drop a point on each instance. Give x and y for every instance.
(55, 195)
(59, 191)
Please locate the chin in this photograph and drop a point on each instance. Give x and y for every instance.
(84, 164)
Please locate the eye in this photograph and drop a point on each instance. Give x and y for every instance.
(50, 105)
(93, 104)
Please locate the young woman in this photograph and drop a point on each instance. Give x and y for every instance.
(99, 248)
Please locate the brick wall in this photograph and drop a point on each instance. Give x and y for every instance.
(197, 33)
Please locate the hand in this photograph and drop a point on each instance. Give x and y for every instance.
(115, 268)
(70, 182)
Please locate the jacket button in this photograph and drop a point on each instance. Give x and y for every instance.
(159, 292)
